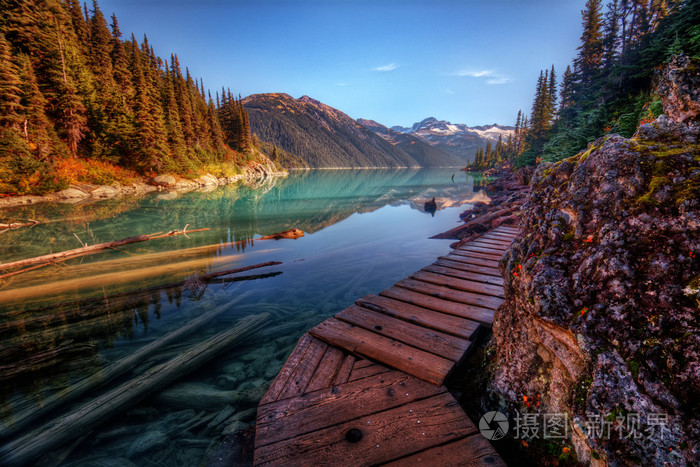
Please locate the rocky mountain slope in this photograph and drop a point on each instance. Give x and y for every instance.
(457, 139)
(422, 152)
(602, 311)
(320, 135)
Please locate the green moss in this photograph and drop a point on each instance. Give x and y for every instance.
(689, 189)
(568, 237)
(656, 183)
(633, 365)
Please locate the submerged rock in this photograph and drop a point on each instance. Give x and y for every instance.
(601, 315)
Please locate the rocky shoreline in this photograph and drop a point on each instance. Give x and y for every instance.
(172, 186)
(507, 194)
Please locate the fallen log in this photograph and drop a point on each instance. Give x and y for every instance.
(90, 249)
(484, 219)
(58, 432)
(112, 371)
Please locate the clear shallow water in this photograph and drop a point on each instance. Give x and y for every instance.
(365, 230)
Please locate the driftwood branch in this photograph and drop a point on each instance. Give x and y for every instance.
(112, 371)
(86, 250)
(58, 432)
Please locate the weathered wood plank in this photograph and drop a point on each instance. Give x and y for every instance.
(505, 228)
(278, 384)
(470, 298)
(364, 372)
(492, 256)
(304, 371)
(327, 369)
(459, 284)
(472, 276)
(499, 236)
(482, 315)
(387, 351)
(432, 319)
(331, 406)
(443, 261)
(487, 242)
(481, 249)
(391, 434)
(450, 347)
(490, 263)
(344, 370)
(362, 363)
(471, 451)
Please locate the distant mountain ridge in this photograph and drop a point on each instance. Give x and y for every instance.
(424, 153)
(309, 133)
(456, 138)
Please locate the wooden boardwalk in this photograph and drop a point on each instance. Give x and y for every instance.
(365, 387)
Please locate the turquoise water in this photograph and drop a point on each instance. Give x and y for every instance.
(365, 230)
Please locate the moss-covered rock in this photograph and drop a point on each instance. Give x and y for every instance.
(602, 318)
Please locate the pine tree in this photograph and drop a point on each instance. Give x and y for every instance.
(590, 57)
(552, 98)
(10, 90)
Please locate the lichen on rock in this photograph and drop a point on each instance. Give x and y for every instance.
(601, 316)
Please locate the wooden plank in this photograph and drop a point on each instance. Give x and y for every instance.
(278, 384)
(471, 451)
(390, 434)
(477, 254)
(327, 369)
(459, 284)
(505, 228)
(443, 261)
(475, 261)
(359, 373)
(450, 347)
(503, 237)
(472, 276)
(344, 370)
(387, 351)
(481, 249)
(446, 293)
(328, 407)
(449, 324)
(496, 248)
(482, 315)
(362, 363)
(304, 371)
(502, 244)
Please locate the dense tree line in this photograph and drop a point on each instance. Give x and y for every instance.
(72, 88)
(609, 88)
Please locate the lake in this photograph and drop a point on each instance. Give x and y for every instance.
(70, 322)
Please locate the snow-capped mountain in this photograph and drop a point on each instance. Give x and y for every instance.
(456, 138)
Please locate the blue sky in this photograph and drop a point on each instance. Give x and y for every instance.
(393, 61)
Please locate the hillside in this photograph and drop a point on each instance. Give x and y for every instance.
(425, 154)
(81, 105)
(457, 139)
(322, 136)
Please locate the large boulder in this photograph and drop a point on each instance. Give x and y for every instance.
(679, 89)
(601, 315)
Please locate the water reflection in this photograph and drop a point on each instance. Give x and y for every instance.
(62, 324)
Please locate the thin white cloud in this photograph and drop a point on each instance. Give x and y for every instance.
(491, 76)
(475, 73)
(341, 84)
(385, 68)
(499, 80)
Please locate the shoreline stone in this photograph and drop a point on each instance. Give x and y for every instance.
(171, 185)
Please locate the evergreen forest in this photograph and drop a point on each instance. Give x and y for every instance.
(80, 103)
(609, 88)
